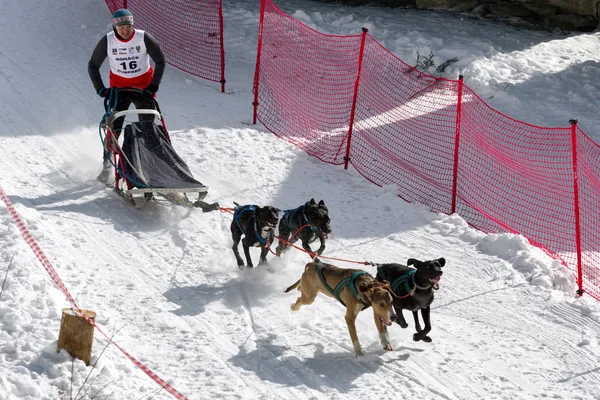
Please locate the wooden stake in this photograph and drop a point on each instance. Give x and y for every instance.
(76, 334)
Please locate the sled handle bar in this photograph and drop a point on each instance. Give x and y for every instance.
(133, 90)
(136, 111)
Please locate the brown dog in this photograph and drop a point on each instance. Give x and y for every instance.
(355, 289)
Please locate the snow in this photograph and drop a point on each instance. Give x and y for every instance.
(163, 280)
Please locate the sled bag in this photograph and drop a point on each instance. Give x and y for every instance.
(150, 159)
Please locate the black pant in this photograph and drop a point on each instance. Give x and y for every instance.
(140, 100)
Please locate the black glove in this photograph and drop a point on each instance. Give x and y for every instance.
(104, 92)
(152, 88)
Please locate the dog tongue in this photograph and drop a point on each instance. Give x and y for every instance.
(435, 282)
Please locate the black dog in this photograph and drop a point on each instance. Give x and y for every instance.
(257, 224)
(414, 290)
(307, 223)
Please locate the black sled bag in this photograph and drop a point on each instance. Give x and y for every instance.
(151, 161)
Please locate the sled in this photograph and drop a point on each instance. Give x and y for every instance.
(146, 166)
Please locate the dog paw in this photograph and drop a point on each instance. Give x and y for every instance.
(419, 336)
(388, 347)
(403, 325)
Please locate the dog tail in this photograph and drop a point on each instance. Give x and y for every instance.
(294, 286)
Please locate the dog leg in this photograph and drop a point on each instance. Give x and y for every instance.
(322, 247)
(306, 246)
(400, 321)
(246, 253)
(281, 246)
(350, 321)
(422, 335)
(236, 242)
(416, 318)
(308, 293)
(279, 249)
(384, 338)
(263, 255)
(284, 235)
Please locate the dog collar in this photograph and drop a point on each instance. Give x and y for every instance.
(313, 228)
(420, 287)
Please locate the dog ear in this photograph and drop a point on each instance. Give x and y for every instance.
(412, 261)
(442, 261)
(312, 201)
(321, 203)
(364, 286)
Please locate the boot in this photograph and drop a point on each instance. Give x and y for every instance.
(103, 176)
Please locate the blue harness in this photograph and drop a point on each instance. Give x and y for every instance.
(402, 280)
(346, 282)
(288, 215)
(239, 210)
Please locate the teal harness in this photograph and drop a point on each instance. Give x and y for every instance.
(236, 216)
(400, 281)
(346, 282)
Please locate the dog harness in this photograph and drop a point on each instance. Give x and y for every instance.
(288, 215)
(402, 280)
(348, 281)
(236, 216)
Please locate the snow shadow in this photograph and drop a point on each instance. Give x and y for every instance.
(275, 362)
(344, 193)
(105, 206)
(193, 300)
(233, 294)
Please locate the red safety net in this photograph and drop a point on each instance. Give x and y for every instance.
(190, 33)
(297, 101)
(347, 99)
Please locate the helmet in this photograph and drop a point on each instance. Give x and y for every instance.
(122, 17)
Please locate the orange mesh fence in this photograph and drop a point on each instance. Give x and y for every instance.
(404, 129)
(588, 183)
(297, 101)
(190, 33)
(346, 99)
(515, 177)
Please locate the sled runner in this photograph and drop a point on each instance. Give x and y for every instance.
(146, 165)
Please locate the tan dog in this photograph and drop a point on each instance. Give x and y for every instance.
(355, 289)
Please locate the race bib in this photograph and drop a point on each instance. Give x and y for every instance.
(128, 59)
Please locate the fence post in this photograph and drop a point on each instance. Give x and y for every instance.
(457, 142)
(258, 53)
(352, 112)
(222, 46)
(573, 123)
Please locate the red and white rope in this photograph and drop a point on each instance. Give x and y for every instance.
(56, 279)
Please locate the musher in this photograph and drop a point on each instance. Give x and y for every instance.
(129, 52)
